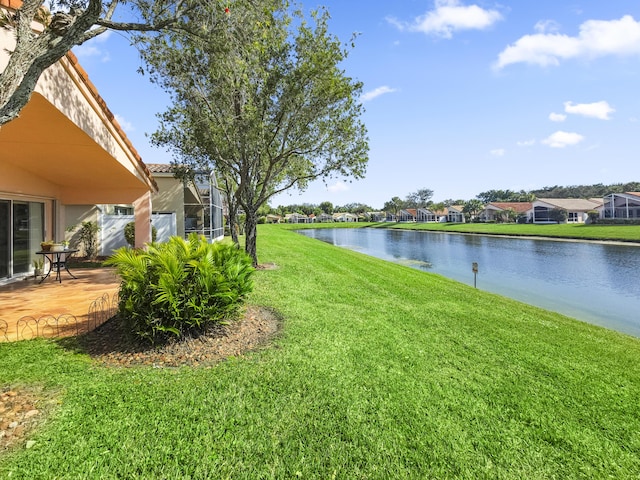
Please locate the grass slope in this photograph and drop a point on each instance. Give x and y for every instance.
(382, 371)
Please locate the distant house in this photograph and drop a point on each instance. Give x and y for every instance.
(324, 218)
(408, 215)
(577, 209)
(425, 215)
(454, 214)
(494, 211)
(296, 218)
(273, 218)
(622, 206)
(376, 216)
(345, 217)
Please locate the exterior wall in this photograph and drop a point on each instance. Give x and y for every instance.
(74, 216)
(170, 198)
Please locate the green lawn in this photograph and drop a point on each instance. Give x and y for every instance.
(381, 371)
(625, 233)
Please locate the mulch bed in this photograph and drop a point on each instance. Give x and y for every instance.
(21, 408)
(109, 345)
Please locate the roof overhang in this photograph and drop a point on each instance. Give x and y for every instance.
(45, 144)
(66, 143)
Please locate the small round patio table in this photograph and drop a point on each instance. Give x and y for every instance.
(57, 261)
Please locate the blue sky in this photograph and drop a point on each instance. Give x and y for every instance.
(461, 96)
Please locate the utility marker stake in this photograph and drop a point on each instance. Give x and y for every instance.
(474, 269)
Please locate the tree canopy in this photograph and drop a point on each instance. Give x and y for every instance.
(65, 24)
(263, 101)
(419, 199)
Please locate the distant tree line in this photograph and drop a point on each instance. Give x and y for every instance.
(422, 198)
(585, 191)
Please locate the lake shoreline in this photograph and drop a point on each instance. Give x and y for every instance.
(524, 237)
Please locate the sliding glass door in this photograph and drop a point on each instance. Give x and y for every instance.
(21, 231)
(5, 236)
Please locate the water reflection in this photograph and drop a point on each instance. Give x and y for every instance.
(593, 282)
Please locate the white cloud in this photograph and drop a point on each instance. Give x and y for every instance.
(562, 139)
(557, 117)
(94, 47)
(597, 38)
(367, 96)
(526, 143)
(498, 152)
(338, 187)
(546, 26)
(450, 16)
(126, 125)
(600, 110)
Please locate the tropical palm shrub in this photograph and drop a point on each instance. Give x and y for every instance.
(180, 287)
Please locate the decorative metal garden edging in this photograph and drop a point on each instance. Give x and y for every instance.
(4, 328)
(65, 324)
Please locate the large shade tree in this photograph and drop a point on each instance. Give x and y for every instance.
(419, 198)
(266, 104)
(46, 34)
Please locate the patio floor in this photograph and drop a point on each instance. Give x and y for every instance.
(52, 309)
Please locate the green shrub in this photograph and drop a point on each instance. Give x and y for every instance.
(130, 233)
(558, 215)
(180, 287)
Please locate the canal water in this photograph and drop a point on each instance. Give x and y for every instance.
(594, 282)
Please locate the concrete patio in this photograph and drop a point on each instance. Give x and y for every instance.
(30, 309)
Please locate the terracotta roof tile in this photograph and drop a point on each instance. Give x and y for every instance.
(11, 3)
(518, 207)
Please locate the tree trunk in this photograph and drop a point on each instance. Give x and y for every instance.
(233, 228)
(251, 236)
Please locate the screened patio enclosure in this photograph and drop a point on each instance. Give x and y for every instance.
(622, 205)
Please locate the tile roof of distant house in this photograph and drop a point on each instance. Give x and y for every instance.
(160, 167)
(576, 204)
(518, 207)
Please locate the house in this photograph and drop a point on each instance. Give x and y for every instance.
(376, 216)
(273, 218)
(498, 211)
(454, 214)
(296, 218)
(65, 149)
(407, 215)
(324, 218)
(177, 209)
(625, 206)
(577, 209)
(345, 217)
(425, 215)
